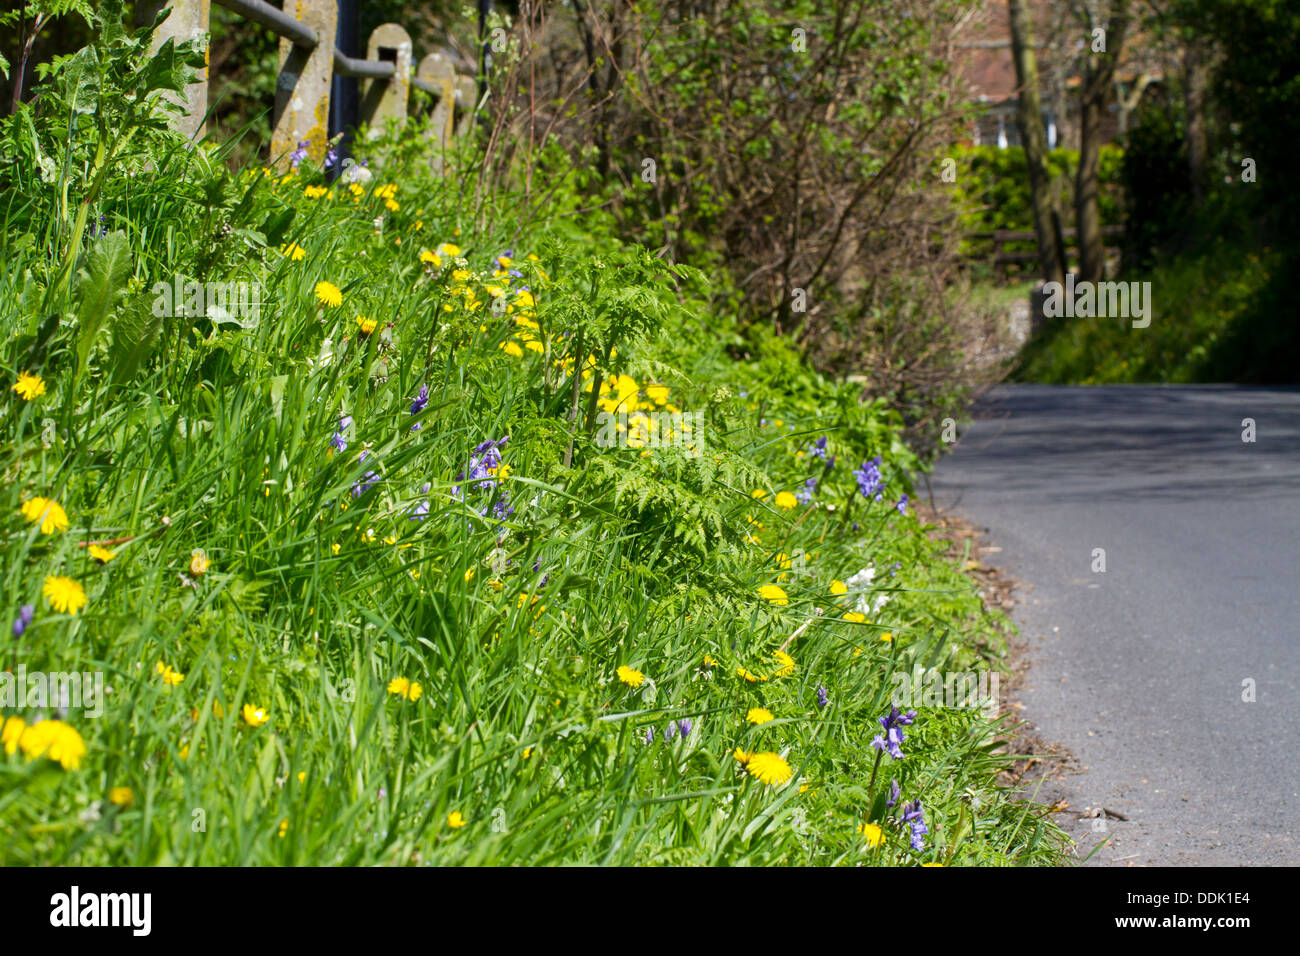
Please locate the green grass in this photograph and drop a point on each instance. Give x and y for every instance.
(173, 435)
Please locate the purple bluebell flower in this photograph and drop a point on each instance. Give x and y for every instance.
(902, 505)
(649, 735)
(684, 725)
(671, 732)
(805, 494)
(818, 448)
(331, 157)
(299, 154)
(893, 736)
(338, 442)
(914, 817)
(365, 484)
(25, 615)
(421, 510)
(870, 481)
(420, 400)
(894, 792)
(822, 699)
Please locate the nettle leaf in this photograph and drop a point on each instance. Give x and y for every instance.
(99, 287)
(135, 334)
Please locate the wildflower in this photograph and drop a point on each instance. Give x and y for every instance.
(101, 554)
(64, 594)
(367, 325)
(420, 400)
(786, 500)
(742, 756)
(749, 675)
(768, 768)
(255, 716)
(805, 494)
(684, 726)
(169, 675)
(29, 386)
(448, 249)
(315, 192)
(512, 349)
(432, 258)
(914, 818)
(838, 587)
(327, 293)
(758, 493)
(818, 448)
(630, 676)
(54, 739)
(857, 617)
(10, 732)
(894, 792)
(24, 618)
(121, 796)
(198, 562)
(870, 481)
(874, 835)
(759, 715)
(456, 820)
(893, 735)
(47, 512)
(822, 699)
(786, 663)
(773, 595)
(299, 154)
(367, 481)
(902, 505)
(649, 736)
(295, 252)
(284, 828)
(403, 687)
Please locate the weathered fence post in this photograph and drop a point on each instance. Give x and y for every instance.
(467, 102)
(385, 99)
(302, 89)
(188, 20)
(437, 70)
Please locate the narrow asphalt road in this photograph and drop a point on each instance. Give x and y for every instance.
(1174, 674)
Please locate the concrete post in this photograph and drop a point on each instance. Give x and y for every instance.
(384, 100)
(188, 20)
(302, 89)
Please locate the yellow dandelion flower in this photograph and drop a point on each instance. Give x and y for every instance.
(773, 595)
(758, 493)
(403, 687)
(198, 562)
(887, 637)
(11, 731)
(122, 796)
(315, 192)
(456, 820)
(64, 594)
(630, 676)
(839, 587)
(449, 249)
(759, 715)
(327, 293)
(749, 675)
(512, 349)
(366, 325)
(742, 756)
(768, 768)
(873, 834)
(431, 258)
(46, 512)
(392, 205)
(101, 554)
(786, 500)
(169, 675)
(255, 716)
(29, 386)
(857, 617)
(786, 663)
(56, 740)
(709, 661)
(294, 252)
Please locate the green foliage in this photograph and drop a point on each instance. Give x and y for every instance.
(298, 513)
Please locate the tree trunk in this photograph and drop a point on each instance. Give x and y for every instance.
(1094, 97)
(1194, 85)
(1029, 116)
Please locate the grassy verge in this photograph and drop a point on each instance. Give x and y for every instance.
(376, 574)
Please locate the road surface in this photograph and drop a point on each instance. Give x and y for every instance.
(1145, 670)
